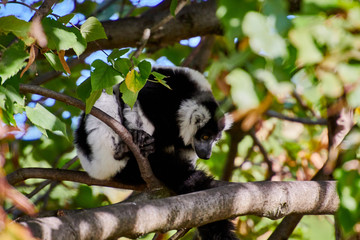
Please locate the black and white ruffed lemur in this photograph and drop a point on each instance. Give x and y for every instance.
(173, 128)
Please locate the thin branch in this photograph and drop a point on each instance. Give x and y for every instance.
(274, 114)
(144, 165)
(236, 135)
(141, 44)
(148, 31)
(21, 3)
(64, 175)
(166, 19)
(44, 9)
(267, 160)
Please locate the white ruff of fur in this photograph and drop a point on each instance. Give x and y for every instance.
(191, 117)
(228, 121)
(102, 139)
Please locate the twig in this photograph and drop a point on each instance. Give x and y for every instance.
(147, 31)
(21, 3)
(274, 114)
(141, 44)
(64, 175)
(144, 165)
(267, 160)
(166, 19)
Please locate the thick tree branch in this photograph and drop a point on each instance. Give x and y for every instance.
(266, 199)
(143, 163)
(196, 19)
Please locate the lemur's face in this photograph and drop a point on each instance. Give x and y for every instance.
(206, 137)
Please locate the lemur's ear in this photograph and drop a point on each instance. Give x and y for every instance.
(229, 120)
(191, 117)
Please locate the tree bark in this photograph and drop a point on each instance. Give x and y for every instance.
(196, 19)
(265, 199)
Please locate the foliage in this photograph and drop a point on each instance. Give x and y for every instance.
(303, 65)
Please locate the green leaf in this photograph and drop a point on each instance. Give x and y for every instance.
(279, 89)
(103, 76)
(123, 65)
(263, 38)
(134, 82)
(42, 118)
(308, 53)
(353, 97)
(61, 37)
(116, 53)
(12, 60)
(91, 100)
(160, 79)
(65, 19)
(330, 84)
(92, 30)
(84, 89)
(54, 61)
(242, 89)
(128, 96)
(173, 6)
(145, 69)
(11, 102)
(19, 27)
(81, 44)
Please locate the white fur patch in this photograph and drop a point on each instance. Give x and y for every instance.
(136, 119)
(228, 121)
(102, 140)
(191, 117)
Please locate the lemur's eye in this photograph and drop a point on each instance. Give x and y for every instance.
(205, 137)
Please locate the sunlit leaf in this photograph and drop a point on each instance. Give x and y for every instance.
(264, 39)
(41, 117)
(12, 60)
(54, 61)
(242, 89)
(128, 96)
(103, 76)
(20, 28)
(330, 84)
(92, 30)
(61, 37)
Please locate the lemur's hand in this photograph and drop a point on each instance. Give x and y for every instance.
(142, 139)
